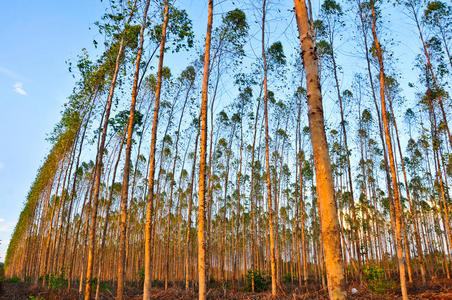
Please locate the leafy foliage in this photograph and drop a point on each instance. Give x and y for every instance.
(261, 281)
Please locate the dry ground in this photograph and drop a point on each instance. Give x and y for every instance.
(438, 289)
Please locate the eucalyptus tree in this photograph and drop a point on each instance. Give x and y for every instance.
(149, 213)
(437, 16)
(187, 79)
(365, 20)
(225, 147)
(300, 159)
(252, 186)
(391, 90)
(243, 105)
(76, 114)
(190, 205)
(436, 72)
(126, 32)
(180, 35)
(125, 181)
(275, 65)
(395, 186)
(114, 188)
(428, 100)
(325, 188)
(202, 163)
(228, 41)
(267, 156)
(330, 27)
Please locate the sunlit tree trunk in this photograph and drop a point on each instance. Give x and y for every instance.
(190, 205)
(267, 160)
(325, 189)
(202, 163)
(107, 216)
(411, 206)
(150, 196)
(126, 170)
(397, 202)
(100, 152)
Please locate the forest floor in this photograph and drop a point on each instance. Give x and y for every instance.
(435, 289)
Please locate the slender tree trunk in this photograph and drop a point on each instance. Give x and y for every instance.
(125, 180)
(430, 68)
(347, 153)
(202, 164)
(107, 216)
(397, 204)
(325, 189)
(413, 213)
(100, 152)
(267, 159)
(190, 205)
(150, 198)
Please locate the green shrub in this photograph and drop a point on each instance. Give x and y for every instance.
(141, 276)
(373, 273)
(374, 277)
(57, 281)
(227, 285)
(287, 277)
(13, 280)
(104, 287)
(261, 281)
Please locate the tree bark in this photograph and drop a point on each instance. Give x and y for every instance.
(125, 180)
(397, 203)
(202, 163)
(267, 160)
(325, 189)
(150, 196)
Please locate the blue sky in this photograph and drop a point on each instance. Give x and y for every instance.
(37, 37)
(36, 40)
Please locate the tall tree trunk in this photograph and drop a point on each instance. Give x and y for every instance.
(347, 154)
(202, 163)
(252, 198)
(107, 215)
(98, 167)
(190, 205)
(397, 203)
(412, 210)
(325, 189)
(125, 180)
(267, 159)
(150, 196)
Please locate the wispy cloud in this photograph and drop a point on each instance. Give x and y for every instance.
(9, 73)
(18, 88)
(2, 220)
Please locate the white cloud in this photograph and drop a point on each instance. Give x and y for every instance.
(4, 228)
(18, 88)
(8, 73)
(2, 220)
